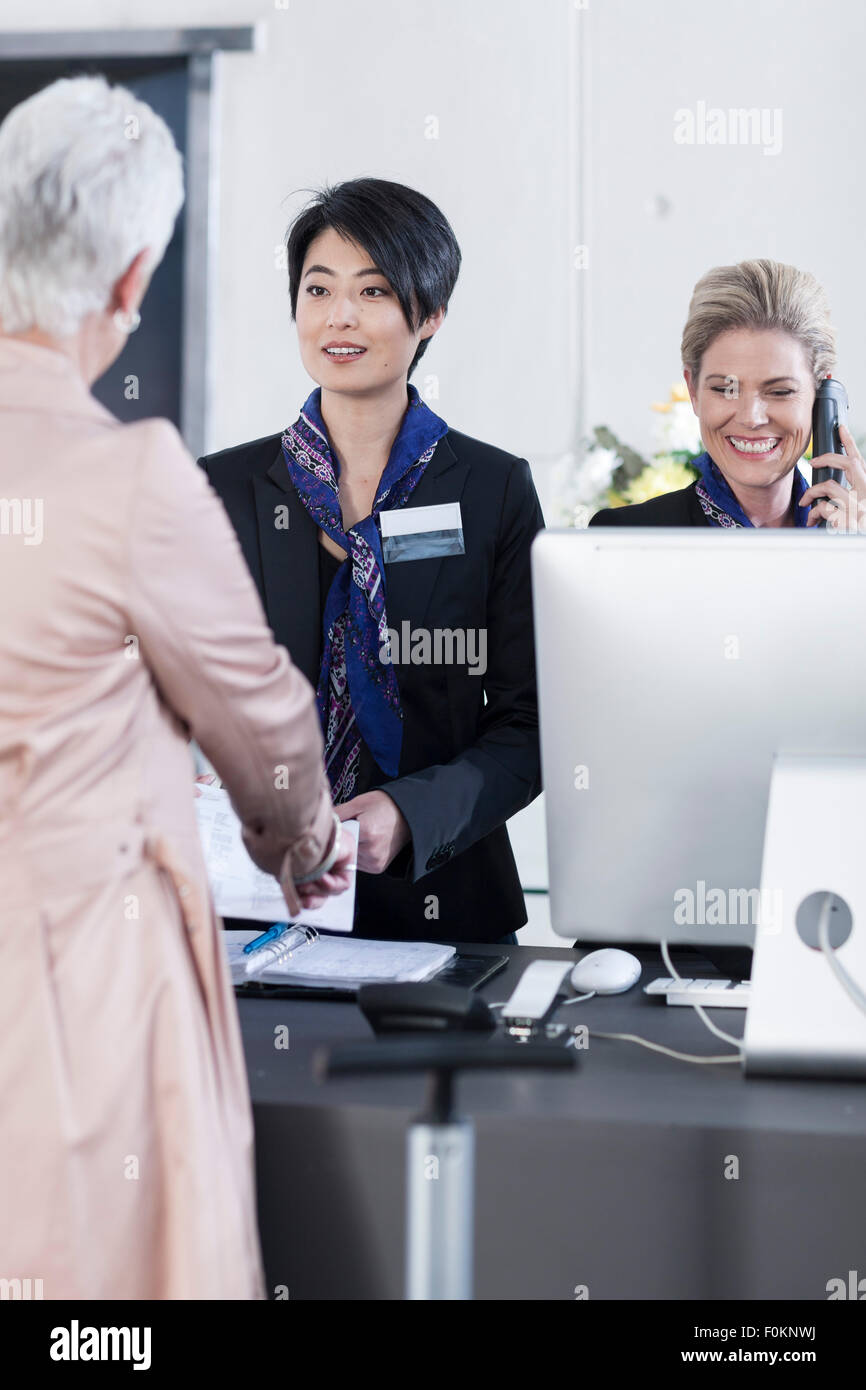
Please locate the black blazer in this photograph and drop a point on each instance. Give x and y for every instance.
(680, 508)
(466, 765)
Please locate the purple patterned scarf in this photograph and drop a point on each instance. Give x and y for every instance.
(358, 697)
(721, 507)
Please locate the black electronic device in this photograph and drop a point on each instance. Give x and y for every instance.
(425, 1007)
(829, 411)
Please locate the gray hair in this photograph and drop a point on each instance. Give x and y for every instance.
(89, 177)
(761, 295)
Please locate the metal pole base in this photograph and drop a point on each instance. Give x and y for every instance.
(440, 1182)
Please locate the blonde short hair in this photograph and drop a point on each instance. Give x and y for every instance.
(761, 295)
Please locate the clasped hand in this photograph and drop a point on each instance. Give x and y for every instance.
(382, 833)
(845, 508)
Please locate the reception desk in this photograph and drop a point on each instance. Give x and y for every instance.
(636, 1176)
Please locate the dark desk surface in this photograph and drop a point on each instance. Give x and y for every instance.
(615, 1080)
(616, 1175)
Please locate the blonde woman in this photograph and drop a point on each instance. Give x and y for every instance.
(757, 343)
(129, 623)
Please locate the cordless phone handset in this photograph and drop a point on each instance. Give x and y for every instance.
(829, 411)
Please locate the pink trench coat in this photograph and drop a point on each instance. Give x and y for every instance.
(128, 625)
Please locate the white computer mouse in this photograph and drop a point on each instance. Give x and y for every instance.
(607, 971)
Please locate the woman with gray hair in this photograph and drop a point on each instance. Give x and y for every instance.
(756, 345)
(130, 623)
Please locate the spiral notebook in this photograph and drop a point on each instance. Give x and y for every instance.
(301, 956)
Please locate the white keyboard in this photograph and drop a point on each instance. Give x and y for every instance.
(710, 994)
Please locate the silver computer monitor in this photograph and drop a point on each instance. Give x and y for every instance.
(676, 669)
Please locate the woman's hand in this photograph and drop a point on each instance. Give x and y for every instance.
(336, 880)
(382, 829)
(846, 509)
(318, 890)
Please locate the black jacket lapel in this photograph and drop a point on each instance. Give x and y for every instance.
(289, 554)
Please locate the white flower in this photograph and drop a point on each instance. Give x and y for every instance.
(677, 429)
(593, 476)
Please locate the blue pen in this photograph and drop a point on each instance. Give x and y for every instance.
(272, 934)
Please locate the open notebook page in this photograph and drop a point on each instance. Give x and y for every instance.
(347, 961)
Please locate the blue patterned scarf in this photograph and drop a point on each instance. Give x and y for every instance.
(721, 507)
(358, 697)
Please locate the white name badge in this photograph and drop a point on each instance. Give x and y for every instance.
(418, 533)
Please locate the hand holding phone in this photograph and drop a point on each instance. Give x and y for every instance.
(828, 497)
(836, 460)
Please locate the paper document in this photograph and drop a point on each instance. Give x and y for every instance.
(339, 963)
(240, 888)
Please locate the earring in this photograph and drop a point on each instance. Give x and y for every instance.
(126, 323)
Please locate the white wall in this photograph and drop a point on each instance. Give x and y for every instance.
(726, 203)
(340, 90)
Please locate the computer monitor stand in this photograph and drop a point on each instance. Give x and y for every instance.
(801, 1019)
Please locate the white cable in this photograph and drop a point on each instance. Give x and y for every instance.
(850, 986)
(657, 1047)
(725, 1037)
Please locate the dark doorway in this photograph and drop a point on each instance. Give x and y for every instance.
(146, 380)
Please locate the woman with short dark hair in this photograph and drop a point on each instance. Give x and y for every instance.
(392, 555)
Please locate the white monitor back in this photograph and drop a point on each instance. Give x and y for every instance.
(673, 666)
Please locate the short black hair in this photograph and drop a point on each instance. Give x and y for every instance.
(403, 233)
